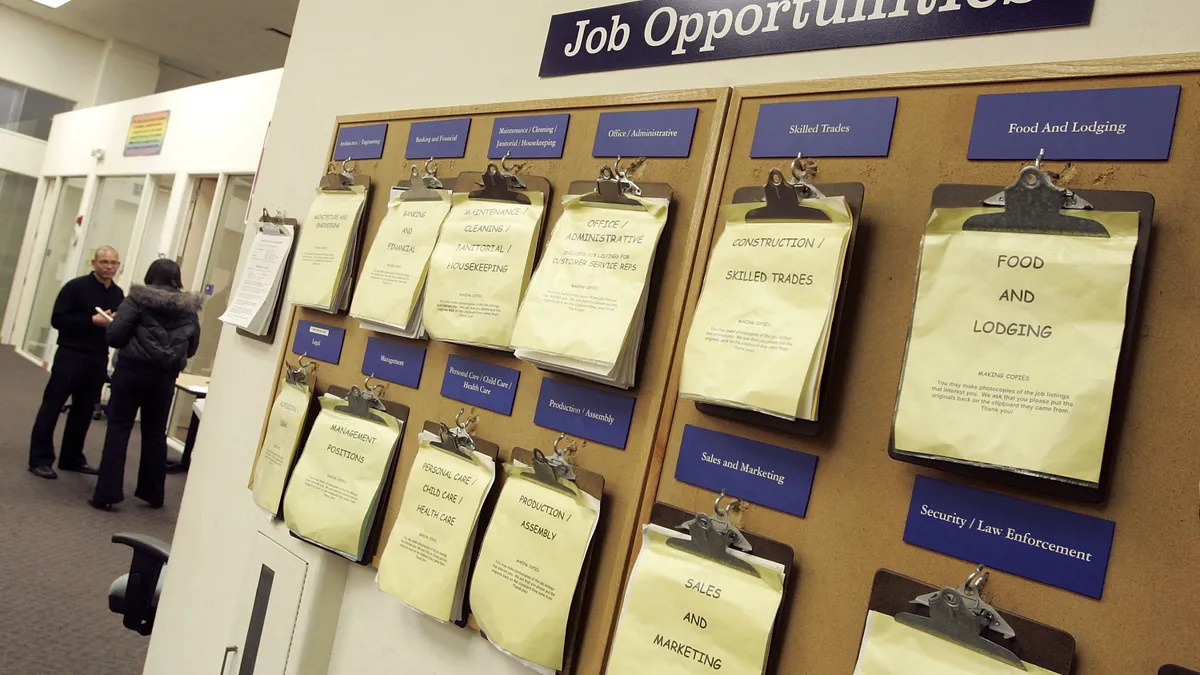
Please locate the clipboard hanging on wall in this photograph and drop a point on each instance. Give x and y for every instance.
(718, 593)
(261, 315)
(913, 624)
(1047, 291)
(783, 253)
(328, 251)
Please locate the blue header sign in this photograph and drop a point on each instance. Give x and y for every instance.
(1047, 544)
(662, 32)
(394, 361)
(365, 142)
(529, 137)
(859, 127)
(768, 475)
(1135, 123)
(440, 139)
(601, 416)
(318, 341)
(645, 133)
(478, 383)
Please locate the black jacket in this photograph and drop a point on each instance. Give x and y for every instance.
(73, 310)
(157, 328)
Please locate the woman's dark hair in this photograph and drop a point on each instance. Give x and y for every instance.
(164, 272)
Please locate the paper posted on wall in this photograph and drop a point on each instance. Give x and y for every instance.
(258, 287)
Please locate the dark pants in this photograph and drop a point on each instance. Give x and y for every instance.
(152, 392)
(79, 376)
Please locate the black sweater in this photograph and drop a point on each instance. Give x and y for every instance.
(73, 311)
(157, 330)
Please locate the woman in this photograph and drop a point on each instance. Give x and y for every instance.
(156, 329)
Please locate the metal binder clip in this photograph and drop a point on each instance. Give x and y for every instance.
(612, 185)
(560, 460)
(430, 178)
(711, 538)
(361, 402)
(514, 181)
(299, 374)
(421, 189)
(783, 197)
(546, 473)
(1032, 177)
(457, 440)
(960, 615)
(498, 185)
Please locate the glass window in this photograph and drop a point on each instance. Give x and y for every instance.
(16, 200)
(113, 217)
(29, 111)
(53, 272)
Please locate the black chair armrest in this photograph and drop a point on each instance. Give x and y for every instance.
(156, 548)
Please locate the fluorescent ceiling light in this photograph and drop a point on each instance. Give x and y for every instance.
(52, 3)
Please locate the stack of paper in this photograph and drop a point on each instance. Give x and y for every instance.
(252, 306)
(479, 269)
(760, 332)
(332, 499)
(328, 247)
(391, 288)
(427, 559)
(585, 309)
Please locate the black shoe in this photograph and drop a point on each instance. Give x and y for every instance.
(43, 472)
(177, 467)
(103, 506)
(85, 468)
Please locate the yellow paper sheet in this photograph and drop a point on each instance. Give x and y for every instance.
(529, 565)
(324, 238)
(286, 422)
(336, 483)
(394, 271)
(759, 334)
(891, 648)
(1013, 350)
(686, 615)
(426, 551)
(583, 296)
(479, 269)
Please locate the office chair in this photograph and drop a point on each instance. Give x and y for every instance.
(135, 595)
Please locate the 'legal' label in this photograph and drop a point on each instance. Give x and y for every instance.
(318, 341)
(394, 361)
(439, 139)
(860, 127)
(482, 384)
(578, 410)
(646, 133)
(1047, 544)
(529, 137)
(772, 476)
(1135, 123)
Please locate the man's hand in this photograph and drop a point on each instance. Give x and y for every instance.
(101, 319)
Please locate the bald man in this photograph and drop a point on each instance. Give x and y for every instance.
(82, 312)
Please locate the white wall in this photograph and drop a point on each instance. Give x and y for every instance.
(475, 43)
(20, 153)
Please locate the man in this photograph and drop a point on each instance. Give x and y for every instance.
(82, 312)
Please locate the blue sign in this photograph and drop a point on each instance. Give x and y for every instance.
(1047, 544)
(394, 361)
(1136, 123)
(209, 289)
(594, 414)
(768, 475)
(529, 137)
(318, 341)
(365, 142)
(859, 127)
(645, 133)
(438, 139)
(662, 32)
(482, 384)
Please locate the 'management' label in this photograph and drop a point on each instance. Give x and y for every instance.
(394, 361)
(1047, 544)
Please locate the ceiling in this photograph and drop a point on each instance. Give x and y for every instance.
(212, 39)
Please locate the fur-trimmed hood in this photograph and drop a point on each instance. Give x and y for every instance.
(164, 299)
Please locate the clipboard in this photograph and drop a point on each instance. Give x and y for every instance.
(492, 450)
(672, 517)
(593, 484)
(310, 418)
(265, 224)
(831, 383)
(952, 196)
(1036, 643)
(400, 412)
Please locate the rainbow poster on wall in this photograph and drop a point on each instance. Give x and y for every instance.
(146, 134)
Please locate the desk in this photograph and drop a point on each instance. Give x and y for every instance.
(196, 385)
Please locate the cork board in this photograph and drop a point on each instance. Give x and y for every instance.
(860, 498)
(626, 470)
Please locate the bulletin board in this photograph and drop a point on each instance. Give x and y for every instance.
(856, 517)
(626, 471)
